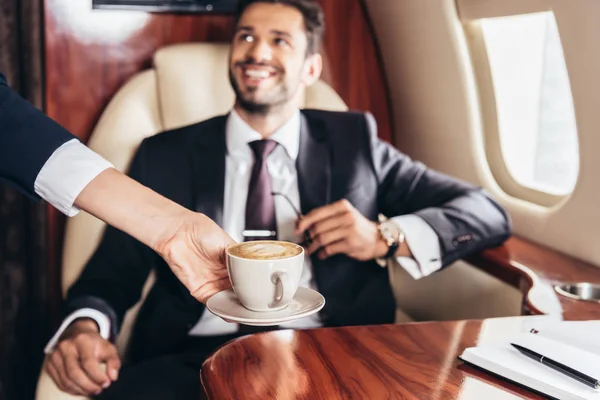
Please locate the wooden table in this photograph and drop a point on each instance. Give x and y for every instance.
(403, 361)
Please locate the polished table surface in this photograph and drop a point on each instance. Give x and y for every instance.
(402, 361)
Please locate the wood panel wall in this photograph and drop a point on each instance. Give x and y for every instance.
(90, 54)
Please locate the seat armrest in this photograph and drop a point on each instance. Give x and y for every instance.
(47, 389)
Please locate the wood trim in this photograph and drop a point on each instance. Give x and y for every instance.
(535, 270)
(390, 129)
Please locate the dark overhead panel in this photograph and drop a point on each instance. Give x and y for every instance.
(181, 6)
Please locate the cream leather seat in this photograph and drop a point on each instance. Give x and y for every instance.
(189, 83)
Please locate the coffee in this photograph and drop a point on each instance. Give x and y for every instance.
(265, 250)
(265, 274)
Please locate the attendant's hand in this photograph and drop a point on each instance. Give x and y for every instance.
(191, 243)
(75, 365)
(339, 228)
(196, 254)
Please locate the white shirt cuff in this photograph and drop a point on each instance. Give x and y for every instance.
(424, 245)
(66, 173)
(102, 320)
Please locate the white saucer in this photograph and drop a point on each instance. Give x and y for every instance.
(226, 305)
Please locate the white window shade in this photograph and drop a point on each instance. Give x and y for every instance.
(534, 106)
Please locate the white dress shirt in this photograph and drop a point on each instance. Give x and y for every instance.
(66, 173)
(281, 164)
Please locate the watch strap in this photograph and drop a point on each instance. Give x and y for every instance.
(393, 248)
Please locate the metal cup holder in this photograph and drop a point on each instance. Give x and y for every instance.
(579, 291)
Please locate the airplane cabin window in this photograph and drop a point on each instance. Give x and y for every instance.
(534, 106)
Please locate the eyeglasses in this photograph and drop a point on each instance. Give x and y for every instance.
(298, 213)
(307, 238)
(264, 234)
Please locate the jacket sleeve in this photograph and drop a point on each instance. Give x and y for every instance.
(464, 217)
(27, 139)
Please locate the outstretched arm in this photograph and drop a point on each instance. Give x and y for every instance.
(191, 243)
(37, 157)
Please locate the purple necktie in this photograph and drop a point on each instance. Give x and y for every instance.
(260, 205)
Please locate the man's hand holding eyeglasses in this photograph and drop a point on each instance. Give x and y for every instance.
(339, 228)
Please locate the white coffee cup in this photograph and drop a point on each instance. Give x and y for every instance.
(267, 284)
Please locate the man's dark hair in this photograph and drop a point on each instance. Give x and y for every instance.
(311, 10)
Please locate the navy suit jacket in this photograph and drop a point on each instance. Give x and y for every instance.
(340, 157)
(27, 139)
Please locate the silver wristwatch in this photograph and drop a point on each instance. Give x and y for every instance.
(393, 236)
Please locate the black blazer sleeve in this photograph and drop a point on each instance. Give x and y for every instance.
(113, 279)
(27, 139)
(465, 219)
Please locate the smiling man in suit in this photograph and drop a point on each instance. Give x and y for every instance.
(331, 165)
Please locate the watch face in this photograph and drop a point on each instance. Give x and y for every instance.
(390, 231)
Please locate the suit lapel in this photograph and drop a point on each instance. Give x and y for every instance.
(314, 178)
(208, 174)
(313, 165)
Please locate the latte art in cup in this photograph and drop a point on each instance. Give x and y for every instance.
(265, 250)
(265, 274)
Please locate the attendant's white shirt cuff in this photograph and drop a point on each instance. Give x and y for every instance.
(102, 320)
(424, 245)
(66, 173)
